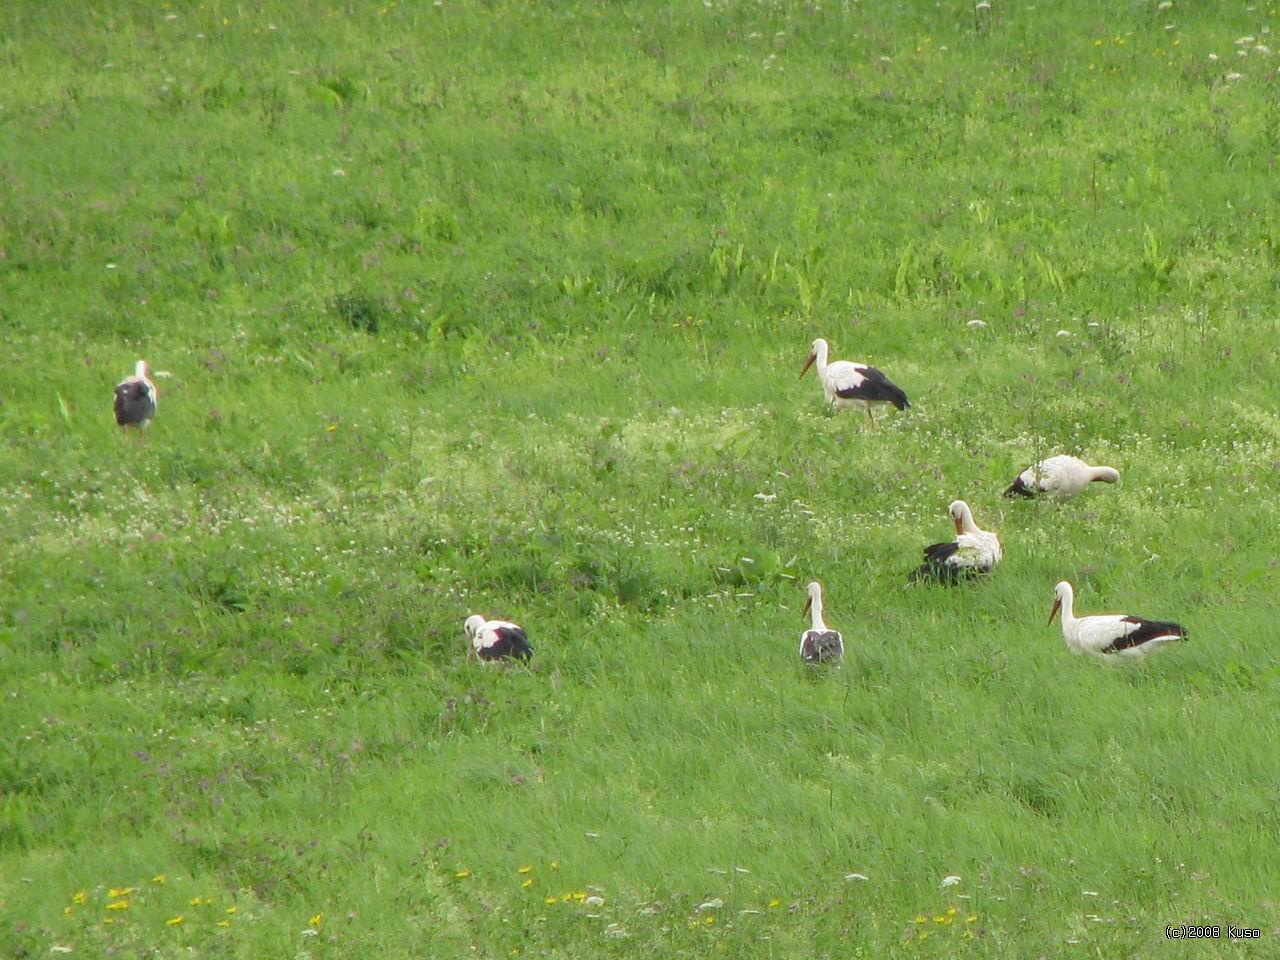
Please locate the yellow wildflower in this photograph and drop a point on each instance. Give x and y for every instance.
(550, 901)
(462, 874)
(108, 920)
(524, 869)
(528, 883)
(224, 923)
(231, 909)
(968, 935)
(708, 919)
(921, 918)
(118, 905)
(199, 901)
(68, 911)
(924, 934)
(951, 911)
(971, 918)
(177, 921)
(316, 920)
(580, 895)
(774, 902)
(79, 897)
(117, 892)
(554, 864)
(159, 878)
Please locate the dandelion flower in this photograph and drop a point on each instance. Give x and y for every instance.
(177, 921)
(68, 911)
(159, 878)
(921, 918)
(580, 895)
(231, 909)
(550, 901)
(118, 905)
(952, 911)
(525, 869)
(224, 923)
(79, 897)
(117, 892)
(709, 919)
(316, 920)
(971, 918)
(554, 864)
(774, 902)
(528, 883)
(108, 920)
(462, 874)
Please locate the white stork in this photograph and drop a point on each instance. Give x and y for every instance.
(818, 644)
(136, 398)
(1111, 634)
(848, 384)
(496, 639)
(973, 551)
(1062, 477)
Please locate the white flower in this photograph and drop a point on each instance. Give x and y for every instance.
(593, 901)
(713, 904)
(763, 498)
(1233, 77)
(976, 325)
(856, 876)
(950, 880)
(1063, 333)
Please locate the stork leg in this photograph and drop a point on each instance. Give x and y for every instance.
(870, 417)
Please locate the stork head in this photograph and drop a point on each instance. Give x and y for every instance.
(819, 348)
(961, 515)
(1061, 592)
(472, 624)
(815, 593)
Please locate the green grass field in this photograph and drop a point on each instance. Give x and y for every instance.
(500, 307)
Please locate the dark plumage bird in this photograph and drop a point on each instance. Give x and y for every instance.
(136, 398)
(848, 384)
(492, 640)
(973, 551)
(819, 644)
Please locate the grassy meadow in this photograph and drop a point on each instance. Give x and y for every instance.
(500, 307)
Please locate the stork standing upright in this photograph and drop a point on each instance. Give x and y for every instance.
(973, 551)
(136, 398)
(491, 640)
(1111, 634)
(848, 384)
(1062, 477)
(819, 644)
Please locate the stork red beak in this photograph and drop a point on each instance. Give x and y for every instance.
(808, 363)
(807, 604)
(959, 524)
(1057, 605)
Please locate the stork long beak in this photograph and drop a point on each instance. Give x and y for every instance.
(808, 363)
(1057, 605)
(959, 524)
(807, 604)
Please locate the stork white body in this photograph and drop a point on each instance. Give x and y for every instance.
(852, 385)
(1062, 477)
(973, 551)
(819, 644)
(136, 399)
(1111, 634)
(492, 640)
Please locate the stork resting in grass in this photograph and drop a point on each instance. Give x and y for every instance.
(1111, 634)
(136, 398)
(819, 644)
(1062, 477)
(491, 640)
(974, 550)
(848, 384)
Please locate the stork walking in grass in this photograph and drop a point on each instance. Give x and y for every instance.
(819, 644)
(974, 550)
(848, 384)
(491, 640)
(136, 398)
(1111, 634)
(1062, 477)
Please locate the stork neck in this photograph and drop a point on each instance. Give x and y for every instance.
(140, 369)
(1068, 612)
(815, 613)
(820, 359)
